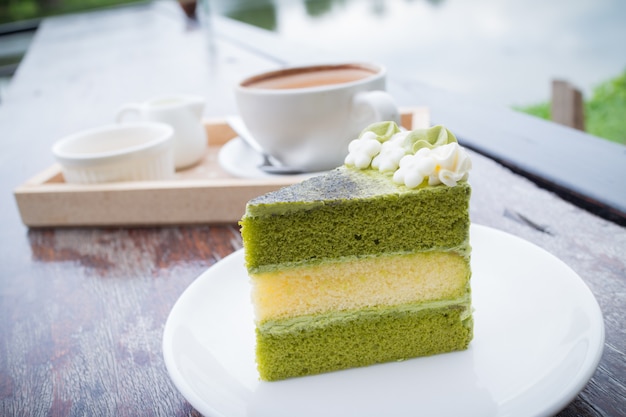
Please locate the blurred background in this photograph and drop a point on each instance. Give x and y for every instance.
(505, 52)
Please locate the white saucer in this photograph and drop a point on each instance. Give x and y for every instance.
(539, 336)
(239, 160)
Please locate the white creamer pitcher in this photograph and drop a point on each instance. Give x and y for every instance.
(184, 114)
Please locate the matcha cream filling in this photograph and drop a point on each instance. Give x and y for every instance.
(464, 250)
(310, 322)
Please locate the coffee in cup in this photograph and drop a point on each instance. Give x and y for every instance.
(305, 117)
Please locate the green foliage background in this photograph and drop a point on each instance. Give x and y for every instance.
(605, 110)
(16, 10)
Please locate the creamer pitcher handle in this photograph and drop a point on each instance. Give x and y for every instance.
(128, 109)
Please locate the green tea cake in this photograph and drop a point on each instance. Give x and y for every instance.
(365, 264)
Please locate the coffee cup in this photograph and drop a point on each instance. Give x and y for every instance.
(305, 117)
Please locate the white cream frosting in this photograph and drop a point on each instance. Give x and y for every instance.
(447, 164)
(393, 154)
(361, 151)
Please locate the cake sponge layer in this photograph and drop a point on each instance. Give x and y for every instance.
(355, 283)
(284, 227)
(373, 336)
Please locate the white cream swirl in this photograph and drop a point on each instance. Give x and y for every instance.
(361, 151)
(438, 158)
(446, 164)
(391, 152)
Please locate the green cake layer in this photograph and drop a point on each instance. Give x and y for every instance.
(362, 214)
(319, 344)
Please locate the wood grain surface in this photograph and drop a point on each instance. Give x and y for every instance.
(82, 310)
(86, 322)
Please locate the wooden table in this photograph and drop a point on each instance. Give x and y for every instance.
(82, 310)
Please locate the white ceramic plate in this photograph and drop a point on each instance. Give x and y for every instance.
(539, 336)
(239, 160)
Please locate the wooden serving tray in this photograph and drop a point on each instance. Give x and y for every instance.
(202, 194)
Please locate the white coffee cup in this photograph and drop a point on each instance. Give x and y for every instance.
(305, 117)
(184, 114)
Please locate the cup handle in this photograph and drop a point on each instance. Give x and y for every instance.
(375, 106)
(127, 109)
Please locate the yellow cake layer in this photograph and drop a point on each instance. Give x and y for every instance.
(357, 283)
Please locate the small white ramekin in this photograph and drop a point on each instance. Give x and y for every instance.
(130, 152)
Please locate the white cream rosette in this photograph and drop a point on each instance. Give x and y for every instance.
(431, 156)
(447, 164)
